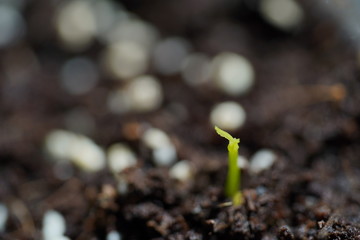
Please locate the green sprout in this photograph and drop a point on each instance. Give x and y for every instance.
(233, 177)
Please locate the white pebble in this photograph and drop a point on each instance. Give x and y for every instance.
(228, 115)
(113, 235)
(12, 26)
(120, 157)
(284, 14)
(169, 55)
(232, 73)
(155, 138)
(165, 155)
(262, 160)
(4, 214)
(133, 30)
(243, 163)
(54, 225)
(195, 69)
(79, 75)
(181, 171)
(125, 59)
(81, 150)
(76, 24)
(145, 93)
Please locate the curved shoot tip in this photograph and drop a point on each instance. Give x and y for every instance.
(226, 135)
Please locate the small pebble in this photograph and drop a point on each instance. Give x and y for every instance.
(228, 115)
(81, 150)
(54, 225)
(232, 73)
(169, 55)
(181, 171)
(243, 163)
(262, 160)
(76, 24)
(145, 94)
(79, 75)
(155, 138)
(195, 69)
(125, 59)
(133, 30)
(113, 235)
(283, 14)
(165, 155)
(120, 157)
(12, 26)
(4, 214)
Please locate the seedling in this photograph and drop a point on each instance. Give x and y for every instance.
(233, 177)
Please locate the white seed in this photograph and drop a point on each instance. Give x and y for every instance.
(228, 115)
(80, 121)
(165, 155)
(87, 155)
(262, 160)
(76, 24)
(169, 55)
(195, 69)
(243, 163)
(145, 94)
(122, 186)
(155, 138)
(232, 73)
(81, 150)
(113, 235)
(79, 75)
(54, 225)
(181, 171)
(133, 30)
(284, 14)
(4, 214)
(125, 59)
(120, 157)
(12, 26)
(118, 101)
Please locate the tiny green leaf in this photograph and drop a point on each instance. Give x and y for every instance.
(233, 177)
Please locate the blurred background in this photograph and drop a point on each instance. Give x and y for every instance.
(89, 88)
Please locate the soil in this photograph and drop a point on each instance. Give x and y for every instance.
(304, 106)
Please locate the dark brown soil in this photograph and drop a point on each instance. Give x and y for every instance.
(295, 108)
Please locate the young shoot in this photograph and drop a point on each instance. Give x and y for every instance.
(233, 177)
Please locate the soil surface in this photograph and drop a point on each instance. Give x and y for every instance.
(304, 106)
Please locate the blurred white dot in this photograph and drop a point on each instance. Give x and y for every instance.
(155, 138)
(81, 150)
(169, 55)
(12, 26)
(80, 121)
(232, 73)
(125, 59)
(4, 214)
(195, 69)
(79, 75)
(113, 235)
(284, 14)
(133, 30)
(228, 115)
(54, 225)
(181, 171)
(164, 155)
(76, 24)
(262, 160)
(243, 163)
(120, 157)
(145, 93)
